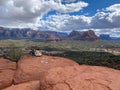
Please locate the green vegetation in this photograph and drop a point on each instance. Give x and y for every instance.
(62, 45)
(93, 58)
(14, 54)
(78, 51)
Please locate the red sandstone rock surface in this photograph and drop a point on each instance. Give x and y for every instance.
(81, 78)
(7, 69)
(55, 73)
(32, 85)
(34, 68)
(7, 64)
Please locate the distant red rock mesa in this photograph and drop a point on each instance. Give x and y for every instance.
(48, 36)
(84, 36)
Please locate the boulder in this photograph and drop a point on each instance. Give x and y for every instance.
(32, 85)
(81, 78)
(6, 78)
(7, 64)
(34, 68)
(7, 69)
(37, 53)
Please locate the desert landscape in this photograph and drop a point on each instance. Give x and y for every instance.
(62, 65)
(80, 61)
(59, 44)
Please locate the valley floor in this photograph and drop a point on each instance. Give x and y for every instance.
(100, 53)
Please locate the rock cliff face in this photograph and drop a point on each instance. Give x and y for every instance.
(84, 36)
(105, 37)
(55, 73)
(16, 33)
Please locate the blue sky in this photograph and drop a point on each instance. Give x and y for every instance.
(92, 8)
(94, 5)
(102, 16)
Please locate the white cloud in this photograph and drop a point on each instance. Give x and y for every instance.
(109, 19)
(73, 7)
(66, 22)
(115, 32)
(25, 13)
(106, 20)
(115, 7)
(2, 2)
(101, 22)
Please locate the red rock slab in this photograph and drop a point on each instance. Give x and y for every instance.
(7, 69)
(34, 68)
(6, 78)
(81, 78)
(7, 64)
(32, 85)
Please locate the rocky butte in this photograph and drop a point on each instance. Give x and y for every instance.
(27, 33)
(84, 36)
(55, 73)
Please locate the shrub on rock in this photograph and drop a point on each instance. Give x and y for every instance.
(14, 54)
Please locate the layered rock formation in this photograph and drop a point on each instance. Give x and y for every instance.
(105, 37)
(108, 37)
(27, 33)
(16, 33)
(84, 36)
